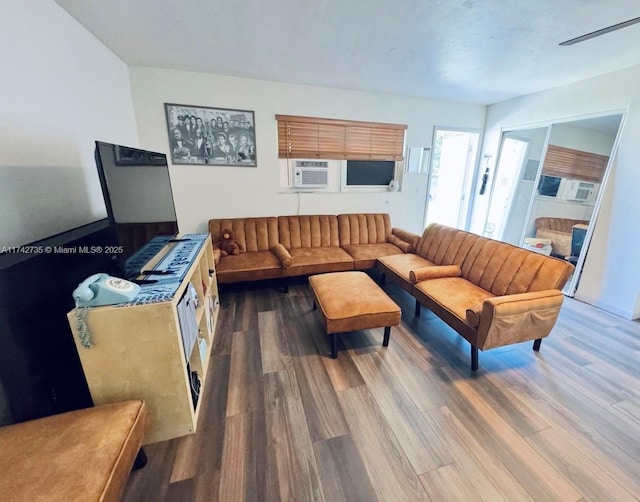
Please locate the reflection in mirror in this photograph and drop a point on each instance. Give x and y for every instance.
(516, 171)
(576, 160)
(548, 204)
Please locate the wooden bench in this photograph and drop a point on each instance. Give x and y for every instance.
(350, 301)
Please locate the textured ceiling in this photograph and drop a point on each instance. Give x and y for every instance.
(476, 51)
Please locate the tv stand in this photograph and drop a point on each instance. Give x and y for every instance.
(156, 350)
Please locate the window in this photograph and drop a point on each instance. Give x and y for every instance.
(361, 173)
(549, 185)
(575, 164)
(311, 137)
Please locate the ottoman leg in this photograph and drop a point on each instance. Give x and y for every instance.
(334, 345)
(140, 461)
(314, 305)
(387, 332)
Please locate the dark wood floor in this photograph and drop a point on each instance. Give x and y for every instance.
(283, 421)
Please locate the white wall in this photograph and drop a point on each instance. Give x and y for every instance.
(578, 138)
(60, 90)
(204, 192)
(611, 276)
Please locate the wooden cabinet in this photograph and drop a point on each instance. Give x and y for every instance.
(139, 350)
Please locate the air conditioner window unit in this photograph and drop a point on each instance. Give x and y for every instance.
(310, 173)
(580, 191)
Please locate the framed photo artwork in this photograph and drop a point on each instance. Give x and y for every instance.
(206, 135)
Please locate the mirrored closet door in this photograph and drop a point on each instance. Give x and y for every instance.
(548, 186)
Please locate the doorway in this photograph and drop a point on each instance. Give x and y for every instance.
(448, 198)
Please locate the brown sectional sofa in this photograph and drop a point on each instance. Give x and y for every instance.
(558, 231)
(287, 246)
(491, 293)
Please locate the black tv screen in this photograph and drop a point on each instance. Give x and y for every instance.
(137, 191)
(370, 172)
(549, 185)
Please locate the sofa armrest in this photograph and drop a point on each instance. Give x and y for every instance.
(407, 237)
(515, 318)
(434, 272)
(283, 255)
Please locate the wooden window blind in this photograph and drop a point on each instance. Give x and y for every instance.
(311, 137)
(575, 164)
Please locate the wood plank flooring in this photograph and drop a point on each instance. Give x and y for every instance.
(410, 422)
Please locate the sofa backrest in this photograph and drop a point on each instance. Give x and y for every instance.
(308, 231)
(558, 224)
(363, 228)
(252, 234)
(495, 266)
(444, 245)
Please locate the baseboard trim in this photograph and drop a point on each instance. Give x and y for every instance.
(612, 309)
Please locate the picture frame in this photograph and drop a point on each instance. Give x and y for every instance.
(203, 135)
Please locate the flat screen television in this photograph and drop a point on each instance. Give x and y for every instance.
(370, 172)
(137, 192)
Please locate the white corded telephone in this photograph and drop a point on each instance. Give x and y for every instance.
(96, 290)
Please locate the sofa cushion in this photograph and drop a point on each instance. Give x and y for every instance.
(312, 231)
(251, 266)
(558, 224)
(319, 260)
(283, 255)
(558, 230)
(560, 241)
(402, 264)
(252, 234)
(365, 255)
(503, 269)
(445, 246)
(453, 295)
(434, 272)
(364, 228)
(399, 243)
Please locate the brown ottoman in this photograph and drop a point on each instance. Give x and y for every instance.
(351, 301)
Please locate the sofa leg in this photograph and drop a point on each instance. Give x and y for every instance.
(314, 305)
(417, 312)
(474, 358)
(140, 461)
(387, 332)
(334, 345)
(536, 344)
(282, 286)
(383, 278)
